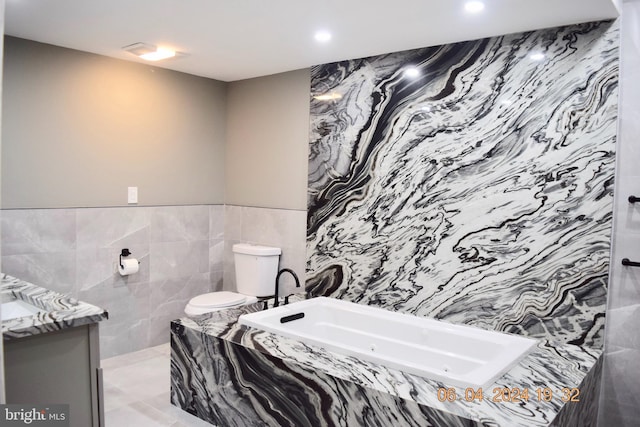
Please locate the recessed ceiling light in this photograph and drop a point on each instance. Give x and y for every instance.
(159, 54)
(150, 52)
(537, 56)
(412, 72)
(474, 6)
(322, 36)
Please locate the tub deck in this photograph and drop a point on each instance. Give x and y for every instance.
(230, 374)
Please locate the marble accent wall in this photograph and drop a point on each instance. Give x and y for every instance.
(282, 228)
(620, 398)
(75, 251)
(477, 190)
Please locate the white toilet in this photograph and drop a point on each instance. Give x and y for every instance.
(256, 271)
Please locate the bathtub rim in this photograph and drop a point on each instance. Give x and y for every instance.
(479, 381)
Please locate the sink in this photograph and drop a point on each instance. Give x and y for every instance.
(18, 308)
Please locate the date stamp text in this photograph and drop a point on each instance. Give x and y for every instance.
(509, 394)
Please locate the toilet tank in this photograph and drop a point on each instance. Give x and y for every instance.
(256, 269)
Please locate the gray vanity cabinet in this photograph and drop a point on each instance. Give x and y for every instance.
(61, 366)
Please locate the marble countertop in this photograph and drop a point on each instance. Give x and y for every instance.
(58, 311)
(548, 366)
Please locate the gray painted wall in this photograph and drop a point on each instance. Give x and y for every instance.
(267, 141)
(80, 128)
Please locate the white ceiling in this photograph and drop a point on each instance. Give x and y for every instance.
(238, 39)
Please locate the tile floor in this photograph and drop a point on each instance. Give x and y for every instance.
(136, 391)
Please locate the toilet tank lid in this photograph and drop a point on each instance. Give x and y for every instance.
(248, 249)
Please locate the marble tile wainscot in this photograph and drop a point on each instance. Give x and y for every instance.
(75, 252)
(231, 375)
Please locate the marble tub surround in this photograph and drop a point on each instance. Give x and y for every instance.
(282, 228)
(232, 375)
(58, 311)
(480, 191)
(75, 251)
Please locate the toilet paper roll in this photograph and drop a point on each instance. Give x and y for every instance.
(129, 266)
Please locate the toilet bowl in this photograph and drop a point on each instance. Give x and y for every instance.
(256, 268)
(214, 301)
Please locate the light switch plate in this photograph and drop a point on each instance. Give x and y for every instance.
(132, 195)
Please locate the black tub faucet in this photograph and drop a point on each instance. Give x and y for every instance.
(295, 277)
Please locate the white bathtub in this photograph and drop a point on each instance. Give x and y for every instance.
(456, 355)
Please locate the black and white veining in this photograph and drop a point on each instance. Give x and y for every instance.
(479, 192)
(58, 311)
(232, 375)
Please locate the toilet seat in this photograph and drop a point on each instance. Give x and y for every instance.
(214, 301)
(217, 300)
